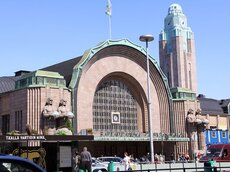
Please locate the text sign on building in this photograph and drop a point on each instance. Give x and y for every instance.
(25, 138)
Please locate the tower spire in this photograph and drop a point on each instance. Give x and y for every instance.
(177, 50)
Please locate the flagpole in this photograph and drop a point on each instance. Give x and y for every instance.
(110, 28)
(109, 13)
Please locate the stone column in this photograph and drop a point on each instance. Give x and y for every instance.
(201, 137)
(202, 122)
(192, 132)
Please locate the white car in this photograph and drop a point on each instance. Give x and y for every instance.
(98, 166)
(102, 163)
(108, 159)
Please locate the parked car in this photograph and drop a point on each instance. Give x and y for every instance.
(142, 160)
(95, 161)
(218, 153)
(99, 167)
(10, 163)
(102, 163)
(119, 165)
(108, 159)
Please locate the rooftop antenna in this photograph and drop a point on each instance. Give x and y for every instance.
(109, 13)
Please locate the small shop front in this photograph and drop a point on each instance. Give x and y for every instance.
(53, 153)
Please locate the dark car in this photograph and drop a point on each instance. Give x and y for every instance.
(10, 163)
(217, 152)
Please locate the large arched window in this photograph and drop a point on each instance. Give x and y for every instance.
(114, 108)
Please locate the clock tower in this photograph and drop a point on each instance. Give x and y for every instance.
(177, 50)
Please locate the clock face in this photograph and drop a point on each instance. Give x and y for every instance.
(182, 23)
(115, 117)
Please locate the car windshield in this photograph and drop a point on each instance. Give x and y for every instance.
(213, 152)
(110, 159)
(8, 165)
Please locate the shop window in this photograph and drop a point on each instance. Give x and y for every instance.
(18, 121)
(5, 123)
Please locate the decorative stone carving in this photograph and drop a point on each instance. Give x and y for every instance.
(48, 109)
(195, 129)
(57, 118)
(206, 121)
(197, 118)
(51, 131)
(190, 116)
(62, 110)
(70, 115)
(56, 114)
(200, 119)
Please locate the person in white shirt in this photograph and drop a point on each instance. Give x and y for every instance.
(126, 161)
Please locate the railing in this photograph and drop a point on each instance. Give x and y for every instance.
(177, 167)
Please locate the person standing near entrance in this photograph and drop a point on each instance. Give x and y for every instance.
(126, 161)
(76, 159)
(86, 160)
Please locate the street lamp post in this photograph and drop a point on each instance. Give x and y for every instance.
(146, 39)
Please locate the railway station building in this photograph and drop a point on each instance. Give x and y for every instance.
(103, 94)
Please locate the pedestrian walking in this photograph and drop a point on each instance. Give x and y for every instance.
(126, 161)
(172, 158)
(86, 160)
(76, 159)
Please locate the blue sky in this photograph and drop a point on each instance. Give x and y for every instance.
(38, 33)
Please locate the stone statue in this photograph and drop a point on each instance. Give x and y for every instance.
(197, 118)
(190, 116)
(48, 109)
(200, 119)
(62, 110)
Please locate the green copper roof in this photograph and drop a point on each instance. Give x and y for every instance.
(42, 73)
(180, 89)
(41, 78)
(175, 25)
(175, 9)
(182, 93)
